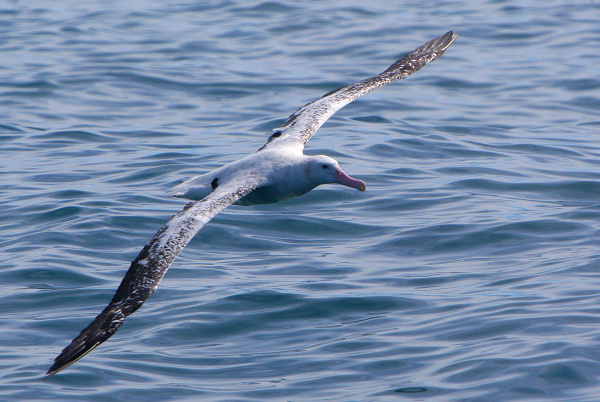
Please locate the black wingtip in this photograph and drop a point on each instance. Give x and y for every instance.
(439, 44)
(66, 358)
(99, 330)
(451, 36)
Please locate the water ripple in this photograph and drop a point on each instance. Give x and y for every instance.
(467, 271)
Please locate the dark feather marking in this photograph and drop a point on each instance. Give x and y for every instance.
(276, 134)
(215, 183)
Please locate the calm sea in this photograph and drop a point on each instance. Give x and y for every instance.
(468, 271)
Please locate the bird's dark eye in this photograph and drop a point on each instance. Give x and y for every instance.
(324, 166)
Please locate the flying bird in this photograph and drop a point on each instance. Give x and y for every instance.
(277, 171)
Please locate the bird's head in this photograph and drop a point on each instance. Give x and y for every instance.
(323, 169)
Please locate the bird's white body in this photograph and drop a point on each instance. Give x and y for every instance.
(279, 173)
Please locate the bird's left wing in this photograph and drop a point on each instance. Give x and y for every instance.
(148, 268)
(304, 122)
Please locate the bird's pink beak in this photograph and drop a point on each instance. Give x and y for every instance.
(346, 180)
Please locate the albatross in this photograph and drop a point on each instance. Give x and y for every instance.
(277, 171)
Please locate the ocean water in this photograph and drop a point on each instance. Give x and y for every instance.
(468, 270)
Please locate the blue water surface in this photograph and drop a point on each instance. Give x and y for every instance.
(468, 271)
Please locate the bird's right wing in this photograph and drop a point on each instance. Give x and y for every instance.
(304, 122)
(148, 268)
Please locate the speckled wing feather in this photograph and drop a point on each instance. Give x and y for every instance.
(304, 122)
(147, 270)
